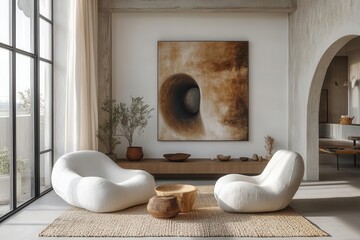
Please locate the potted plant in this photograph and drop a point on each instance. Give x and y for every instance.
(133, 119)
(107, 130)
(5, 176)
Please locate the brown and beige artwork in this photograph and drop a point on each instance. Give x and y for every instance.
(203, 90)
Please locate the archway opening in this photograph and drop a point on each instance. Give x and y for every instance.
(315, 111)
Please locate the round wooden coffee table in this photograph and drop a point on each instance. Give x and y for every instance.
(185, 194)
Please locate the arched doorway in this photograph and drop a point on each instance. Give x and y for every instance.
(313, 103)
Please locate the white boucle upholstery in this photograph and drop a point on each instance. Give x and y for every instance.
(91, 180)
(272, 190)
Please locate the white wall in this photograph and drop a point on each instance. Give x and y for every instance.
(134, 53)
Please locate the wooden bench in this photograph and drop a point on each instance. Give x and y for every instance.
(161, 166)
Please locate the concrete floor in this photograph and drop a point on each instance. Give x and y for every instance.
(333, 203)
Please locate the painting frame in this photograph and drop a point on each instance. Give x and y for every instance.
(215, 76)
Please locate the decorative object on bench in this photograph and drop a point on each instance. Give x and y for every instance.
(123, 120)
(244, 159)
(133, 118)
(185, 194)
(223, 157)
(272, 190)
(269, 141)
(91, 180)
(176, 157)
(255, 157)
(134, 153)
(163, 206)
(346, 120)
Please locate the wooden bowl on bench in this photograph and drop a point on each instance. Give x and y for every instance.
(177, 157)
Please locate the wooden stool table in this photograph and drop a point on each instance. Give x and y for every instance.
(185, 194)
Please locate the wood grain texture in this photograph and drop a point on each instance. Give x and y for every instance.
(195, 166)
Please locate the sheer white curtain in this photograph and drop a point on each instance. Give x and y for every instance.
(81, 86)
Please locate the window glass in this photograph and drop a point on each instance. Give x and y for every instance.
(25, 25)
(45, 40)
(5, 20)
(45, 8)
(45, 106)
(24, 126)
(45, 171)
(5, 132)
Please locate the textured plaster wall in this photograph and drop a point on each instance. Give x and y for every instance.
(317, 30)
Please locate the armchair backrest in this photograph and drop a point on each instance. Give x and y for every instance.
(284, 172)
(88, 163)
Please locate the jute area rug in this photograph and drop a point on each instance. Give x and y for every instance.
(206, 220)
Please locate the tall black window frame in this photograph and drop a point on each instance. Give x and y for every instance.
(37, 59)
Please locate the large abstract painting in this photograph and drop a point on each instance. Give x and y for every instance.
(203, 90)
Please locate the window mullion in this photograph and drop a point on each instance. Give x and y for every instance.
(52, 83)
(13, 201)
(36, 100)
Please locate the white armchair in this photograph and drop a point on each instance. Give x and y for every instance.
(272, 190)
(91, 180)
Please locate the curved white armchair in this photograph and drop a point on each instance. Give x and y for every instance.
(91, 180)
(272, 190)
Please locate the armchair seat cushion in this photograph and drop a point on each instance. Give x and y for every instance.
(91, 180)
(272, 190)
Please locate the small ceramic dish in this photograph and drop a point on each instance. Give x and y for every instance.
(223, 157)
(244, 158)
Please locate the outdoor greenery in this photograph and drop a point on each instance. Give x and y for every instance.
(25, 102)
(5, 162)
